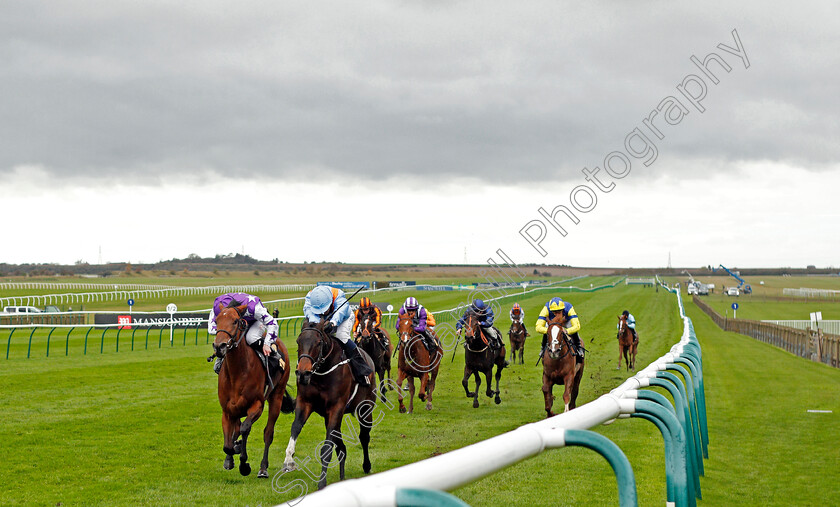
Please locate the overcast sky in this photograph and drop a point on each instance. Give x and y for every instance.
(388, 131)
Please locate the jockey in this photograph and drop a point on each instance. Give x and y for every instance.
(571, 327)
(631, 323)
(517, 314)
(368, 310)
(261, 325)
(485, 320)
(423, 321)
(325, 302)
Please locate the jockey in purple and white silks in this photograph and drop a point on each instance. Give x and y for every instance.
(261, 325)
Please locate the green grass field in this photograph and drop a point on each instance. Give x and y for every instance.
(144, 426)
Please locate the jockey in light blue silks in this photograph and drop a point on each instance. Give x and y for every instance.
(631, 323)
(324, 301)
(261, 325)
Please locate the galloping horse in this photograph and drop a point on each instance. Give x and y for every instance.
(517, 335)
(371, 343)
(560, 366)
(242, 382)
(626, 345)
(325, 386)
(416, 362)
(480, 358)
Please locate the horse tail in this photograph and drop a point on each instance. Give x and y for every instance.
(288, 404)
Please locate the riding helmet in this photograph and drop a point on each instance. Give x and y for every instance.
(320, 298)
(365, 302)
(411, 303)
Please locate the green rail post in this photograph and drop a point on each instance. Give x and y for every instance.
(411, 497)
(67, 343)
(133, 331)
(670, 458)
(48, 341)
(86, 339)
(102, 342)
(684, 418)
(694, 413)
(30, 342)
(9, 343)
(196, 335)
(160, 338)
(119, 328)
(692, 355)
(683, 487)
(617, 460)
(148, 328)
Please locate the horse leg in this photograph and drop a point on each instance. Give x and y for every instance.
(400, 379)
(576, 387)
(364, 438)
(254, 413)
(410, 395)
(302, 412)
(466, 382)
(567, 390)
(498, 398)
(487, 377)
(424, 380)
(334, 441)
(549, 397)
(620, 348)
(274, 404)
(228, 432)
(430, 388)
(382, 388)
(477, 377)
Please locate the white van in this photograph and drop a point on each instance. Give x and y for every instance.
(733, 291)
(20, 310)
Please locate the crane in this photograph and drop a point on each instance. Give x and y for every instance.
(742, 283)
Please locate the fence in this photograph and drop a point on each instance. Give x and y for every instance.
(800, 342)
(805, 292)
(83, 323)
(639, 281)
(683, 427)
(827, 326)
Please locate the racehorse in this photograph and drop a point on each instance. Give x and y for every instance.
(370, 341)
(480, 358)
(560, 366)
(325, 386)
(626, 345)
(517, 335)
(242, 383)
(415, 361)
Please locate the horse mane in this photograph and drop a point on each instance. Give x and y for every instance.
(233, 303)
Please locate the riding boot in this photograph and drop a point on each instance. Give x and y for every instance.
(358, 365)
(217, 366)
(275, 354)
(578, 346)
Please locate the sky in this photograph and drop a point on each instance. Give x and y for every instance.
(421, 132)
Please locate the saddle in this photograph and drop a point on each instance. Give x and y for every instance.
(273, 365)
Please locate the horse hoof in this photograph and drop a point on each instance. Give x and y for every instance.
(490, 394)
(470, 395)
(263, 474)
(237, 447)
(422, 396)
(245, 469)
(429, 406)
(402, 410)
(497, 400)
(549, 414)
(228, 463)
(289, 467)
(475, 403)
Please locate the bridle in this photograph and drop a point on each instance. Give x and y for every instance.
(324, 341)
(565, 339)
(240, 325)
(472, 336)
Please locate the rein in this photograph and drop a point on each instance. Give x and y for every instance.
(241, 325)
(321, 356)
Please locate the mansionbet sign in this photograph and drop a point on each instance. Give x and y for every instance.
(154, 320)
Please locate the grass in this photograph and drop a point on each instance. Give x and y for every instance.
(144, 426)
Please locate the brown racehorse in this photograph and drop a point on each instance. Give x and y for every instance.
(242, 382)
(480, 358)
(626, 345)
(517, 335)
(370, 341)
(325, 386)
(560, 366)
(416, 362)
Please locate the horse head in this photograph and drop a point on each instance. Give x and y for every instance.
(406, 327)
(230, 328)
(314, 345)
(557, 339)
(472, 328)
(622, 323)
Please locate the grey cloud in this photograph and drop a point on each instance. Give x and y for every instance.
(449, 89)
